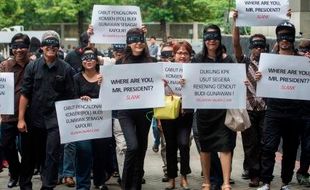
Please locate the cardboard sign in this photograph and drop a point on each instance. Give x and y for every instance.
(111, 23)
(132, 86)
(261, 12)
(7, 93)
(284, 76)
(214, 86)
(82, 120)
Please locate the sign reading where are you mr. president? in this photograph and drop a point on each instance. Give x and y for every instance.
(284, 76)
(132, 86)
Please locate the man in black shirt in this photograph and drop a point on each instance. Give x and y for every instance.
(46, 80)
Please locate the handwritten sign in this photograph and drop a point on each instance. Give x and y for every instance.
(261, 12)
(132, 86)
(7, 93)
(284, 76)
(172, 74)
(111, 23)
(81, 120)
(214, 86)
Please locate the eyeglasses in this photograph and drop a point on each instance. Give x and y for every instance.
(182, 53)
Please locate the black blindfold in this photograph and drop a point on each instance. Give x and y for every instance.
(304, 50)
(135, 39)
(286, 36)
(20, 45)
(88, 57)
(212, 36)
(166, 54)
(258, 44)
(50, 42)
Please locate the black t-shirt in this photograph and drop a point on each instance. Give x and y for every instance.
(84, 88)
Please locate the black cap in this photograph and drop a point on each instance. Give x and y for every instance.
(286, 26)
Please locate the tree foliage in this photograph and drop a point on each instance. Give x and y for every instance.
(29, 12)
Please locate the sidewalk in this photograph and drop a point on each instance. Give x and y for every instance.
(153, 173)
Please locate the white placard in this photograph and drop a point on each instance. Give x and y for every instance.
(82, 120)
(261, 12)
(284, 76)
(132, 86)
(214, 86)
(172, 74)
(111, 23)
(7, 93)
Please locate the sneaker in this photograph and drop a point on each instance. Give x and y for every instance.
(264, 187)
(303, 179)
(155, 148)
(285, 187)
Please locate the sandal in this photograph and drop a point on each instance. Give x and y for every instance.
(226, 187)
(205, 186)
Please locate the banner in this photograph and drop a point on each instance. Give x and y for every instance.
(284, 76)
(173, 74)
(7, 93)
(214, 86)
(82, 120)
(261, 12)
(111, 23)
(132, 86)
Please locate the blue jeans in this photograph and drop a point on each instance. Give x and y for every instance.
(67, 161)
(156, 134)
(83, 164)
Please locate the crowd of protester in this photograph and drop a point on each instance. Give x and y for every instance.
(44, 74)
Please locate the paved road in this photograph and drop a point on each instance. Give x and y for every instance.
(153, 173)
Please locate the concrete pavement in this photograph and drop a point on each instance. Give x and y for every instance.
(153, 173)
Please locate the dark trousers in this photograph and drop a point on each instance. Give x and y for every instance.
(9, 134)
(177, 135)
(305, 147)
(251, 141)
(135, 126)
(45, 142)
(287, 128)
(102, 160)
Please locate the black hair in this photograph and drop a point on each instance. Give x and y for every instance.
(153, 37)
(84, 39)
(219, 50)
(21, 36)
